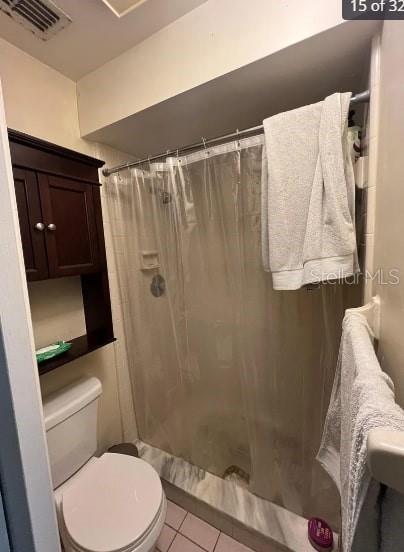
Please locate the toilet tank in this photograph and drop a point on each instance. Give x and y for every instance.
(71, 427)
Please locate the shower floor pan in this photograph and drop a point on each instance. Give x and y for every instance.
(253, 521)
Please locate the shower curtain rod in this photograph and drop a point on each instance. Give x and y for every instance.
(362, 97)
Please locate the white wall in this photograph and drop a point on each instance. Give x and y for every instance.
(42, 102)
(389, 225)
(217, 37)
(39, 100)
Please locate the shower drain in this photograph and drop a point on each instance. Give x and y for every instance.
(237, 475)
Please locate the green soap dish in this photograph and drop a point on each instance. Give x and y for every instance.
(54, 350)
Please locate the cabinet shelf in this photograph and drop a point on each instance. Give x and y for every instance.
(80, 346)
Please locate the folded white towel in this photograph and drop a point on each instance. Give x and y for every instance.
(362, 399)
(308, 195)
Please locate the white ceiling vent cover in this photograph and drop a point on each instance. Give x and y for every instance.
(41, 17)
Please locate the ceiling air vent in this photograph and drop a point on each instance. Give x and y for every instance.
(41, 17)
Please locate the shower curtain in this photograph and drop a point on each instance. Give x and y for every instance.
(226, 373)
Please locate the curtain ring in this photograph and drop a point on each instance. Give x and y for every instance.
(205, 146)
(238, 138)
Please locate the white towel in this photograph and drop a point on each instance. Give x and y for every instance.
(362, 399)
(308, 195)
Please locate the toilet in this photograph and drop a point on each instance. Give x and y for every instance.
(114, 503)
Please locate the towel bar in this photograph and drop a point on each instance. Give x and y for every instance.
(371, 312)
(385, 446)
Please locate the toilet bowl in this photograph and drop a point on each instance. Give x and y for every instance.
(113, 503)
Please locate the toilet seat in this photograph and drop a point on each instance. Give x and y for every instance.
(113, 505)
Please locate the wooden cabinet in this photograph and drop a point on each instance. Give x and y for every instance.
(58, 225)
(70, 226)
(59, 210)
(56, 201)
(31, 224)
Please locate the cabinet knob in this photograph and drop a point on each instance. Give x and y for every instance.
(51, 227)
(39, 226)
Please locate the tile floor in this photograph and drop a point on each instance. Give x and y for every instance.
(184, 532)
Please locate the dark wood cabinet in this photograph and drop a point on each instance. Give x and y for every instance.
(57, 196)
(70, 226)
(58, 225)
(31, 224)
(59, 210)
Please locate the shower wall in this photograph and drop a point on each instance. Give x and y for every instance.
(226, 373)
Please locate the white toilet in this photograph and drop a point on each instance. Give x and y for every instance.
(114, 503)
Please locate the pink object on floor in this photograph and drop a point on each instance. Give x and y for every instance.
(320, 534)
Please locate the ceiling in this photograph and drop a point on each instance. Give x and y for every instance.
(336, 60)
(96, 34)
(122, 7)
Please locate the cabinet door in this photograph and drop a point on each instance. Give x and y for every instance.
(31, 224)
(71, 231)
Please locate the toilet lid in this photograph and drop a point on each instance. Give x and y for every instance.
(112, 504)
